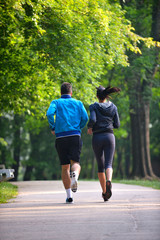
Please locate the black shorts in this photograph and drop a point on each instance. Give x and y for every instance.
(69, 148)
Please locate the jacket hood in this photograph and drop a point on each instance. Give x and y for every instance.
(105, 107)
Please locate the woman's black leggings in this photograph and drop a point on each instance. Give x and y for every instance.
(104, 146)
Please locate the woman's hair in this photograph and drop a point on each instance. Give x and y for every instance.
(103, 93)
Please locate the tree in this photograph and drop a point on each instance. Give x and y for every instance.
(47, 42)
(155, 129)
(140, 79)
(44, 43)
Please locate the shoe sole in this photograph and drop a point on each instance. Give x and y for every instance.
(74, 183)
(69, 202)
(74, 186)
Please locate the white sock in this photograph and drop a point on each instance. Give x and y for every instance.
(75, 175)
(69, 193)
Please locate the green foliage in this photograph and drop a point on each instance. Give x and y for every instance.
(47, 42)
(7, 191)
(88, 43)
(3, 142)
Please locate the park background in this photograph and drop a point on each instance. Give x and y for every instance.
(87, 43)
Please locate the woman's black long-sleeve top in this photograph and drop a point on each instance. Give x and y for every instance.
(103, 117)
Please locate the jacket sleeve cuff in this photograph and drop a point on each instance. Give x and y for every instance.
(52, 128)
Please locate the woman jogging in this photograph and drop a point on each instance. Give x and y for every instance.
(103, 118)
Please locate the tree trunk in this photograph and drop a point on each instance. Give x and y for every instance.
(136, 146)
(127, 157)
(146, 109)
(2, 148)
(28, 173)
(142, 128)
(33, 156)
(139, 114)
(119, 170)
(137, 129)
(17, 145)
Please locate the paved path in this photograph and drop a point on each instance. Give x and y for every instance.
(39, 213)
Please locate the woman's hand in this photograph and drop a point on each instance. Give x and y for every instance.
(89, 131)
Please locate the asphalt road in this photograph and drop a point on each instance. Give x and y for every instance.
(40, 213)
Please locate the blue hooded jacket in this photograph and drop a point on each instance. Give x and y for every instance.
(66, 116)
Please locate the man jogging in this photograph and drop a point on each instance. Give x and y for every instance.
(66, 117)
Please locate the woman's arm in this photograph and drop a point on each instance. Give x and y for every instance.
(92, 118)
(116, 121)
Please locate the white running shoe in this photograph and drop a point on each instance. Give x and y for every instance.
(74, 182)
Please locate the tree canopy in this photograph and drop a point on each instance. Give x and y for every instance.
(44, 43)
(87, 43)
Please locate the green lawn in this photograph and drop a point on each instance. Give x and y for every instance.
(7, 191)
(141, 182)
(146, 183)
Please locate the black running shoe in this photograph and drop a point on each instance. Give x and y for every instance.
(104, 196)
(108, 189)
(69, 200)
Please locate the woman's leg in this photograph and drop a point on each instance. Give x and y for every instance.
(102, 180)
(97, 145)
(109, 173)
(109, 149)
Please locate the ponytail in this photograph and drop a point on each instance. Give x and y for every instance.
(103, 93)
(110, 90)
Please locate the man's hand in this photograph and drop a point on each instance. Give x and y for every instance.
(89, 131)
(53, 132)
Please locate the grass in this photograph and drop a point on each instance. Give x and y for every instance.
(141, 182)
(7, 191)
(145, 183)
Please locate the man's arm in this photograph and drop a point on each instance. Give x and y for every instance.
(84, 117)
(50, 115)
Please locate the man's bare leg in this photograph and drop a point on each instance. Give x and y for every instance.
(66, 176)
(75, 167)
(67, 181)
